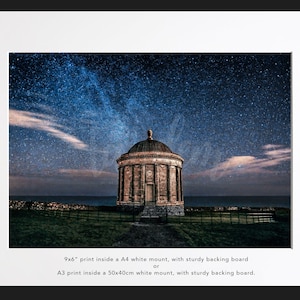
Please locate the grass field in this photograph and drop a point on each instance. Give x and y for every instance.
(90, 229)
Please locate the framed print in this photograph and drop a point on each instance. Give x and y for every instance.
(149, 147)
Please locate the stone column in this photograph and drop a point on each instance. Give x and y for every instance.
(120, 187)
(127, 183)
(156, 183)
(181, 188)
(178, 181)
(169, 182)
(143, 179)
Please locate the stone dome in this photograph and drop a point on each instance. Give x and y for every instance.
(149, 146)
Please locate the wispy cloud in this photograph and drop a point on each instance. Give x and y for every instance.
(61, 185)
(44, 123)
(271, 146)
(273, 155)
(87, 173)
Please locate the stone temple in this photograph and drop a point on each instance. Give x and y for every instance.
(150, 178)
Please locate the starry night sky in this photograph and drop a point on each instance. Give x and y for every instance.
(71, 115)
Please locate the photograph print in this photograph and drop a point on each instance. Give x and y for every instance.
(150, 150)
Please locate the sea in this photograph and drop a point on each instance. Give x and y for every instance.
(189, 201)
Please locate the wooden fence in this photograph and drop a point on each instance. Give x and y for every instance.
(206, 216)
(232, 217)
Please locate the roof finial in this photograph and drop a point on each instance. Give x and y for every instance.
(149, 134)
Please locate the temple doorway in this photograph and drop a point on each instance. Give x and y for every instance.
(150, 199)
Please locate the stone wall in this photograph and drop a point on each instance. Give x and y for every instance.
(150, 179)
(152, 211)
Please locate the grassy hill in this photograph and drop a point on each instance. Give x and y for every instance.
(37, 229)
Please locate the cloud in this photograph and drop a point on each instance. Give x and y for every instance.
(61, 185)
(271, 146)
(44, 123)
(273, 155)
(87, 173)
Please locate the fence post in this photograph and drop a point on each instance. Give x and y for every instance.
(166, 214)
(133, 217)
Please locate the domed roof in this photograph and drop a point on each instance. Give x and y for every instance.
(149, 145)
